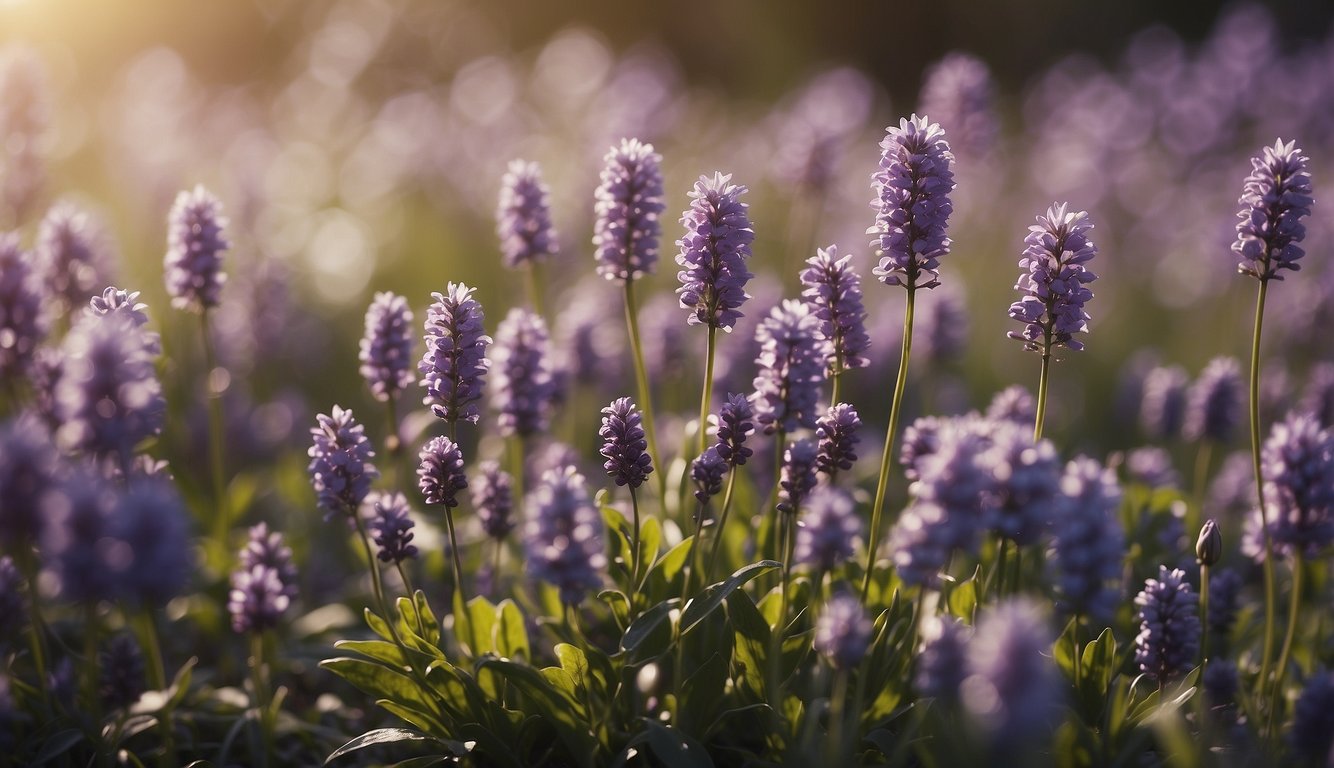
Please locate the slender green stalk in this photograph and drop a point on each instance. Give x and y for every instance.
(393, 445)
(709, 353)
(36, 627)
(835, 752)
(157, 677)
(1204, 617)
(1298, 565)
(1074, 647)
(215, 435)
(645, 393)
(516, 466)
(376, 585)
(998, 575)
(1042, 386)
(780, 446)
(722, 525)
(1270, 594)
(533, 279)
(882, 485)
(412, 595)
(495, 570)
(634, 549)
(456, 556)
(261, 697)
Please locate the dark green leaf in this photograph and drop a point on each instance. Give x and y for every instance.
(715, 594)
(649, 635)
(675, 749)
(383, 683)
(381, 736)
(511, 634)
(56, 745)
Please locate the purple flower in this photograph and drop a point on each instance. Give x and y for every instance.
(391, 527)
(493, 499)
(526, 382)
(108, 398)
(1318, 396)
(269, 548)
(798, 475)
(1313, 719)
(257, 599)
(1027, 483)
(27, 472)
(1224, 601)
(733, 425)
(1220, 682)
(23, 324)
(523, 216)
(1214, 402)
(1089, 541)
(1151, 466)
(706, 472)
(78, 516)
(920, 439)
(834, 290)
(1299, 482)
(828, 529)
(1011, 687)
(1168, 642)
(959, 93)
(943, 325)
(150, 558)
(1014, 403)
(563, 535)
(454, 367)
(1162, 412)
(837, 431)
(70, 254)
(958, 475)
(842, 631)
(912, 186)
(1053, 279)
(195, 242)
(386, 347)
(120, 679)
(940, 664)
(1273, 201)
(440, 474)
(791, 367)
(713, 253)
(117, 301)
(340, 462)
(593, 349)
(921, 541)
(629, 202)
(623, 443)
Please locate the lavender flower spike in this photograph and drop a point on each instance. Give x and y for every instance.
(70, 252)
(798, 474)
(108, 398)
(563, 535)
(257, 599)
(1273, 201)
(493, 498)
(386, 347)
(959, 91)
(624, 446)
(714, 251)
(629, 202)
(1298, 462)
(791, 368)
(837, 431)
(1090, 542)
(454, 367)
(1012, 689)
(1053, 279)
(912, 203)
(195, 243)
(526, 380)
(391, 527)
(834, 290)
(440, 474)
(1168, 642)
(707, 471)
(1214, 403)
(827, 534)
(843, 633)
(23, 324)
(1312, 732)
(269, 548)
(734, 425)
(523, 217)
(340, 462)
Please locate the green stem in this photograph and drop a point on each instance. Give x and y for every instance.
(1042, 387)
(835, 751)
(882, 484)
(157, 677)
(460, 599)
(634, 549)
(1270, 594)
(412, 595)
(709, 354)
(722, 525)
(393, 445)
(261, 698)
(1204, 617)
(36, 627)
(998, 575)
(1298, 565)
(531, 277)
(495, 570)
(516, 467)
(215, 435)
(1074, 646)
(376, 586)
(645, 394)
(771, 506)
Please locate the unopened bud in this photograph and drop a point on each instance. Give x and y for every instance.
(1209, 547)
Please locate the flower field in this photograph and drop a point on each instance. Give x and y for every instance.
(422, 404)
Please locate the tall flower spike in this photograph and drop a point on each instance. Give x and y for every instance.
(269, 548)
(27, 471)
(23, 324)
(628, 204)
(834, 290)
(1162, 410)
(791, 367)
(1028, 478)
(526, 381)
(195, 243)
(454, 366)
(493, 498)
(959, 92)
(1014, 403)
(912, 203)
(623, 443)
(1298, 462)
(842, 632)
(1214, 403)
(829, 529)
(70, 254)
(837, 431)
(108, 398)
(1273, 201)
(706, 472)
(523, 216)
(1312, 734)
(386, 347)
(340, 462)
(563, 535)
(149, 522)
(1089, 541)
(734, 425)
(391, 527)
(257, 599)
(440, 474)
(120, 666)
(1053, 280)
(940, 665)
(714, 251)
(1168, 642)
(798, 475)
(1012, 688)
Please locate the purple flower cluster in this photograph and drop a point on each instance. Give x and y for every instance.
(941, 662)
(942, 325)
(628, 204)
(1014, 403)
(523, 216)
(23, 324)
(269, 549)
(829, 529)
(1214, 403)
(440, 474)
(195, 242)
(714, 251)
(1298, 468)
(391, 527)
(114, 300)
(340, 462)
(493, 499)
(791, 367)
(1312, 732)
(623, 443)
(959, 93)
(454, 367)
(70, 254)
(912, 203)
(1168, 642)
(27, 472)
(734, 425)
(386, 347)
(1162, 411)
(842, 631)
(1028, 478)
(837, 433)
(1275, 197)
(834, 290)
(108, 398)
(1011, 688)
(706, 472)
(1053, 280)
(798, 474)
(526, 381)
(563, 535)
(1089, 541)
(256, 600)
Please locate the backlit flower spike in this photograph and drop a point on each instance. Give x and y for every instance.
(386, 348)
(340, 462)
(714, 251)
(454, 367)
(913, 206)
(833, 289)
(628, 206)
(195, 243)
(523, 216)
(1055, 273)
(1274, 199)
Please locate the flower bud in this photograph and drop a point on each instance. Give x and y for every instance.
(1209, 547)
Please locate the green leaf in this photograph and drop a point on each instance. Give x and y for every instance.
(702, 694)
(674, 748)
(481, 626)
(619, 605)
(650, 635)
(383, 683)
(751, 642)
(963, 598)
(715, 594)
(428, 618)
(557, 704)
(377, 650)
(381, 736)
(511, 634)
(56, 745)
(662, 578)
(1098, 663)
(575, 664)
